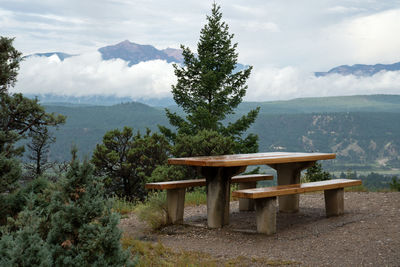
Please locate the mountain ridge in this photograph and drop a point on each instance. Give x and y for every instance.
(135, 53)
(360, 69)
(362, 140)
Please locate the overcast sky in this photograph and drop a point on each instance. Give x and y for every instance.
(285, 41)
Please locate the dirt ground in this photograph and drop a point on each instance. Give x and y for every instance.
(368, 234)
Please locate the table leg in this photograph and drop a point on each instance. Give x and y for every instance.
(218, 193)
(289, 173)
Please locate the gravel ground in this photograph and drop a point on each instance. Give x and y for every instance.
(367, 234)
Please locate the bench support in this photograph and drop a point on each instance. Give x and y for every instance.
(175, 205)
(246, 204)
(266, 215)
(289, 173)
(334, 202)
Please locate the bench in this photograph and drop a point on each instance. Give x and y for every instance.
(176, 193)
(265, 199)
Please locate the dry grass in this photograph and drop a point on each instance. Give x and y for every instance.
(156, 254)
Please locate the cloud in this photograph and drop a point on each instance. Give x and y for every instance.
(88, 74)
(342, 10)
(287, 83)
(365, 39)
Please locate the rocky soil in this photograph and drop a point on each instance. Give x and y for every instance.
(368, 234)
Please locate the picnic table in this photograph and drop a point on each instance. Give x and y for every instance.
(218, 171)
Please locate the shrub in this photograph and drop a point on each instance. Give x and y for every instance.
(154, 210)
(13, 203)
(77, 227)
(395, 184)
(316, 173)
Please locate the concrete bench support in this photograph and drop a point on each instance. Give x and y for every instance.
(218, 193)
(266, 215)
(246, 204)
(334, 202)
(175, 205)
(265, 199)
(289, 173)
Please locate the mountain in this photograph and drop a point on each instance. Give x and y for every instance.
(365, 138)
(136, 53)
(360, 69)
(60, 55)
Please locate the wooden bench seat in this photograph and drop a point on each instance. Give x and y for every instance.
(265, 199)
(176, 193)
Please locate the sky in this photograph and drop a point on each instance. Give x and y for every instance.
(285, 42)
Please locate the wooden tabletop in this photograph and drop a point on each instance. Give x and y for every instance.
(251, 159)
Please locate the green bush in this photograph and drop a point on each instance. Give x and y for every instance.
(22, 243)
(395, 184)
(13, 203)
(77, 227)
(316, 173)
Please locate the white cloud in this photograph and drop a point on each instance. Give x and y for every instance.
(88, 74)
(342, 10)
(287, 83)
(255, 26)
(367, 39)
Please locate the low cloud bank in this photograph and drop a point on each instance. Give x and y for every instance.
(288, 83)
(88, 74)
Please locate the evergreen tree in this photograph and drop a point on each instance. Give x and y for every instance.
(316, 173)
(204, 143)
(209, 88)
(83, 231)
(39, 149)
(18, 116)
(77, 227)
(127, 160)
(9, 63)
(395, 184)
(21, 242)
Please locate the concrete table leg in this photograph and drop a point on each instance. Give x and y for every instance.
(218, 193)
(334, 202)
(246, 204)
(175, 205)
(266, 215)
(289, 173)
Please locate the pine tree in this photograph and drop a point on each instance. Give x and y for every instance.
(75, 228)
(209, 88)
(395, 184)
(18, 116)
(9, 63)
(39, 149)
(83, 230)
(127, 160)
(316, 173)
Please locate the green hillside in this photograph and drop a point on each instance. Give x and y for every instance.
(86, 125)
(361, 140)
(360, 103)
(364, 131)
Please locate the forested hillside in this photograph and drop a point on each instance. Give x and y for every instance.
(86, 125)
(362, 140)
